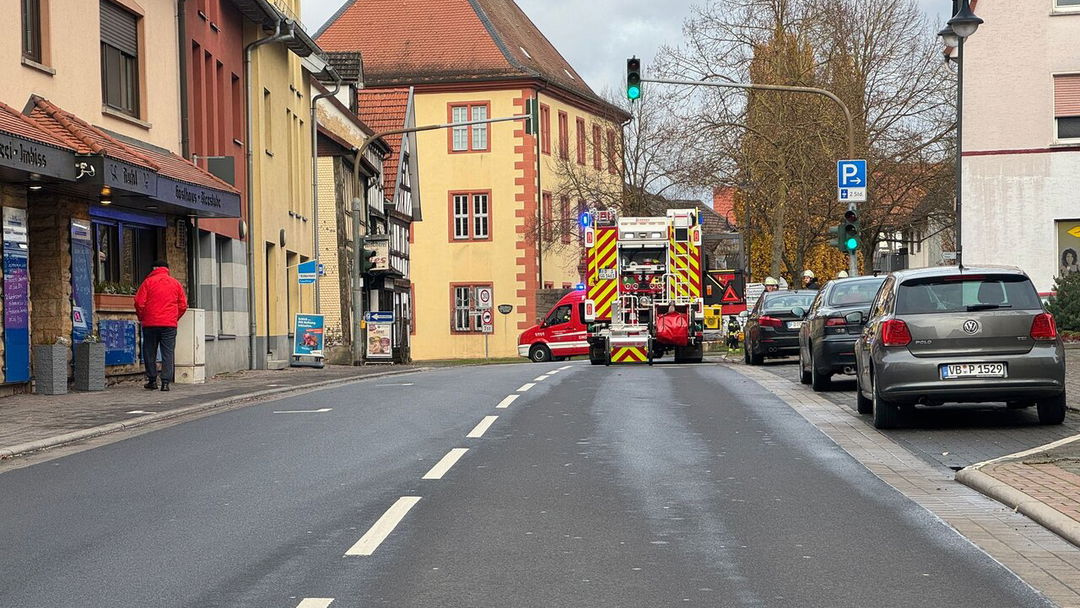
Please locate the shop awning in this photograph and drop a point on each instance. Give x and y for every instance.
(134, 173)
(28, 152)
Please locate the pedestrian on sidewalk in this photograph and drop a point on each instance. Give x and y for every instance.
(810, 281)
(159, 304)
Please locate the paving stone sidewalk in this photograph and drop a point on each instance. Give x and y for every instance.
(43, 420)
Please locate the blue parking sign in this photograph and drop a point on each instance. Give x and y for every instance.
(851, 180)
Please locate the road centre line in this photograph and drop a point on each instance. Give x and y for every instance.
(505, 403)
(315, 602)
(565, 367)
(383, 527)
(479, 430)
(526, 386)
(539, 378)
(445, 463)
(320, 410)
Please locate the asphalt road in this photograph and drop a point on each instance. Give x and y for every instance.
(955, 435)
(622, 486)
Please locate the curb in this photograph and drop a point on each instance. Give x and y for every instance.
(113, 427)
(1046, 516)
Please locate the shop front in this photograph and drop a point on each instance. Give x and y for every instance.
(93, 240)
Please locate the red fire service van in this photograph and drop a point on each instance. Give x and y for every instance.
(561, 334)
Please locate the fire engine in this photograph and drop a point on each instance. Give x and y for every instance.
(643, 287)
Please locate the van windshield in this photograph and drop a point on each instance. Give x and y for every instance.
(966, 293)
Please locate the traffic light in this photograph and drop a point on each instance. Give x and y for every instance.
(532, 123)
(366, 261)
(849, 232)
(633, 78)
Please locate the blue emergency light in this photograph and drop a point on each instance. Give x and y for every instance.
(580, 286)
(585, 219)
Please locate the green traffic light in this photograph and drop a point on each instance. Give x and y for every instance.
(633, 92)
(852, 244)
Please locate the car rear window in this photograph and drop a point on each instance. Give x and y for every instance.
(965, 293)
(854, 293)
(785, 302)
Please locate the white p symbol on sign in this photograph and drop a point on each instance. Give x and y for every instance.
(849, 173)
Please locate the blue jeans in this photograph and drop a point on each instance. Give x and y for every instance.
(165, 339)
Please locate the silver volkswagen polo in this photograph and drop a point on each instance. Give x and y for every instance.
(937, 335)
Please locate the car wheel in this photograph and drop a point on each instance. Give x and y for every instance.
(746, 353)
(862, 404)
(886, 413)
(596, 356)
(752, 358)
(804, 376)
(818, 382)
(1052, 410)
(539, 354)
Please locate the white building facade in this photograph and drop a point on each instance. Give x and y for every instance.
(1021, 166)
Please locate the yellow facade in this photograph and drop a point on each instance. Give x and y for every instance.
(282, 223)
(507, 262)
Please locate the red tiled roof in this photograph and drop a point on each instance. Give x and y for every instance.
(432, 41)
(384, 110)
(85, 138)
(16, 123)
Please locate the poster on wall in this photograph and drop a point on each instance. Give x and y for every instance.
(1068, 252)
(16, 297)
(308, 336)
(82, 281)
(380, 344)
(119, 338)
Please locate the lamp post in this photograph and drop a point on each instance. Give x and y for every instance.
(963, 24)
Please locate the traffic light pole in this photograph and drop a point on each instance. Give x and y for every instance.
(357, 307)
(852, 261)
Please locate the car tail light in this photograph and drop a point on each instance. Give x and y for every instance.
(894, 332)
(1043, 327)
(771, 322)
(835, 322)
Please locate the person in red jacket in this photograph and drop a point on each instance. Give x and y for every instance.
(159, 303)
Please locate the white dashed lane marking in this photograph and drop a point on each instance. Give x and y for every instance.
(315, 602)
(526, 386)
(383, 527)
(505, 403)
(318, 411)
(444, 465)
(539, 378)
(479, 430)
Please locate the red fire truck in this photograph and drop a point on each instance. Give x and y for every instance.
(643, 287)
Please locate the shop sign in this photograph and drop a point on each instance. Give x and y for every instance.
(207, 201)
(16, 297)
(126, 176)
(82, 281)
(118, 335)
(35, 157)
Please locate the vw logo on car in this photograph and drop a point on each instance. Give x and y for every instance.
(971, 326)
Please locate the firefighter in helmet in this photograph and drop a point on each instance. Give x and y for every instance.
(771, 284)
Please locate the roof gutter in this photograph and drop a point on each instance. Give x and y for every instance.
(284, 31)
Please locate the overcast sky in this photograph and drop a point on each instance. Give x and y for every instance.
(597, 36)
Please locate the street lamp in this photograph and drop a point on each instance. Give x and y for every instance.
(963, 24)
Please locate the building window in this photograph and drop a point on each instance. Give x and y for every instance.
(124, 254)
(612, 152)
(545, 129)
(1067, 5)
(564, 136)
(119, 58)
(1067, 105)
(580, 126)
(564, 215)
(31, 30)
(548, 217)
(470, 216)
(469, 138)
(237, 110)
(465, 314)
(598, 148)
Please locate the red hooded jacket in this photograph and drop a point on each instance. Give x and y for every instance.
(160, 301)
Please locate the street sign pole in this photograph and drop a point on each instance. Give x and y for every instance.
(852, 183)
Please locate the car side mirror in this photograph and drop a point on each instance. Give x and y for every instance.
(799, 311)
(855, 317)
(744, 314)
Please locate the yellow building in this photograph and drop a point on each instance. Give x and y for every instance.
(488, 232)
(281, 234)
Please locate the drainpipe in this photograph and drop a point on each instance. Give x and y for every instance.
(315, 179)
(280, 35)
(185, 119)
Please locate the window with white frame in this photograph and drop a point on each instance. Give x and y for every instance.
(1067, 5)
(466, 315)
(471, 213)
(469, 138)
(1067, 106)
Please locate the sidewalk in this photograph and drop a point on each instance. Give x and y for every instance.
(32, 422)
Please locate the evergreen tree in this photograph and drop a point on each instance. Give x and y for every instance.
(1065, 304)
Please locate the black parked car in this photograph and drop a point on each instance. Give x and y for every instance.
(830, 328)
(772, 329)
